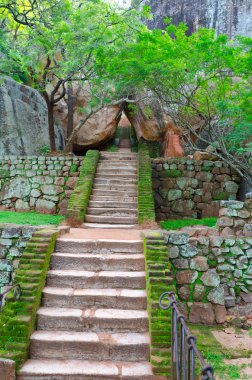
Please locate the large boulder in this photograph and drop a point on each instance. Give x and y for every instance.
(23, 120)
(149, 120)
(99, 129)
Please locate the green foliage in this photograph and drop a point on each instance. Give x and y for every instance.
(180, 223)
(146, 207)
(220, 196)
(78, 203)
(44, 149)
(173, 173)
(30, 218)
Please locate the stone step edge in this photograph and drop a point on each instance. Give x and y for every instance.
(108, 369)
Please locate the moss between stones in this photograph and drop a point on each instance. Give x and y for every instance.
(173, 173)
(79, 199)
(221, 196)
(17, 321)
(158, 280)
(146, 207)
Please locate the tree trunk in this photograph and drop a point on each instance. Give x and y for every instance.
(50, 121)
(70, 109)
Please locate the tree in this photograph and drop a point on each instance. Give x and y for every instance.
(66, 47)
(202, 81)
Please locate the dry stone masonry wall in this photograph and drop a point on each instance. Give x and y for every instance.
(13, 240)
(39, 183)
(189, 188)
(212, 267)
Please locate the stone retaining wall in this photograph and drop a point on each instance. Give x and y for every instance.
(212, 267)
(13, 240)
(189, 188)
(43, 184)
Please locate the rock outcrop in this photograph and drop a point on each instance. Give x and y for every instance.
(149, 120)
(23, 120)
(99, 129)
(231, 17)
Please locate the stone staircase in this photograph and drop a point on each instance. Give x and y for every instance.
(93, 322)
(113, 202)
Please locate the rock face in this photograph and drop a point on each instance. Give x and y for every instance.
(149, 121)
(99, 129)
(23, 120)
(226, 16)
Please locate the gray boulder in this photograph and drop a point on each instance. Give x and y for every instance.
(23, 120)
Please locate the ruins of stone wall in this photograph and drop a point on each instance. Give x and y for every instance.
(13, 240)
(189, 188)
(39, 183)
(212, 267)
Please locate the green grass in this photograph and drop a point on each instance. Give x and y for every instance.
(175, 224)
(31, 218)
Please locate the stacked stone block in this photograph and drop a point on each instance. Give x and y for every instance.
(190, 188)
(236, 217)
(213, 275)
(43, 184)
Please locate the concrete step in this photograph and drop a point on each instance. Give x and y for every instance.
(94, 262)
(113, 198)
(111, 219)
(130, 299)
(109, 204)
(89, 346)
(86, 370)
(95, 320)
(98, 246)
(112, 211)
(115, 193)
(98, 280)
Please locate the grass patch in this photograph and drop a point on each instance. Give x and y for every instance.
(175, 224)
(31, 218)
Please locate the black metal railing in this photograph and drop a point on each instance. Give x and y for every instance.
(16, 293)
(184, 348)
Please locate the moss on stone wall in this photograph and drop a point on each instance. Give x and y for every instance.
(17, 321)
(78, 203)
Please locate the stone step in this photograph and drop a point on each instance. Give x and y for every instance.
(98, 246)
(126, 188)
(130, 299)
(100, 180)
(98, 280)
(85, 370)
(114, 199)
(111, 219)
(122, 159)
(95, 320)
(115, 165)
(122, 172)
(93, 262)
(118, 154)
(108, 226)
(115, 193)
(89, 346)
(112, 211)
(100, 204)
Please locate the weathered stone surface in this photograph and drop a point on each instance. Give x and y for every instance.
(216, 296)
(181, 263)
(45, 207)
(18, 187)
(226, 17)
(235, 205)
(247, 230)
(23, 121)
(178, 238)
(220, 314)
(184, 292)
(21, 205)
(174, 194)
(225, 222)
(211, 278)
(186, 277)
(231, 187)
(199, 263)
(173, 252)
(199, 291)
(237, 251)
(7, 369)
(188, 250)
(202, 313)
